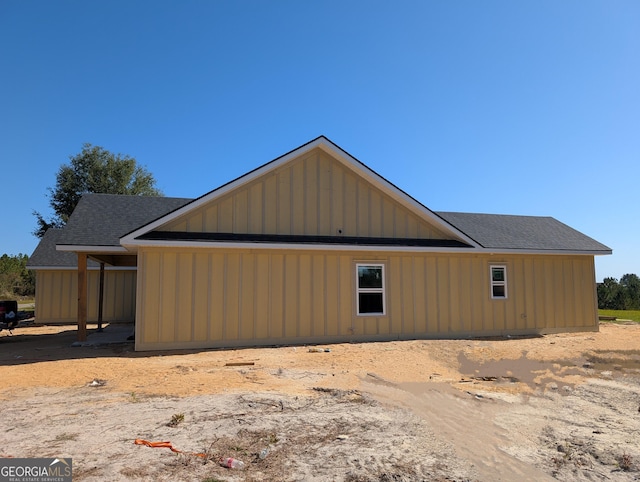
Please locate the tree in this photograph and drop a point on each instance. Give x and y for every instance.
(630, 284)
(94, 170)
(623, 295)
(609, 294)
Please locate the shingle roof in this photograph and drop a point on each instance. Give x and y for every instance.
(45, 253)
(539, 233)
(102, 219)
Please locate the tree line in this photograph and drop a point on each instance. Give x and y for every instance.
(619, 295)
(15, 279)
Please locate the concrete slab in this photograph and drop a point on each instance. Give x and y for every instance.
(113, 333)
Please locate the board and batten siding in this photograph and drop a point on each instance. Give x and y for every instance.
(57, 296)
(198, 298)
(312, 195)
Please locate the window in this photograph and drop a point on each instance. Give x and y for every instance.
(370, 289)
(498, 282)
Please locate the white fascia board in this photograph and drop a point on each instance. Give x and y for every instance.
(300, 246)
(356, 247)
(546, 251)
(78, 248)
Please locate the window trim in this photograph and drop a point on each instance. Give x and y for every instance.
(494, 283)
(381, 290)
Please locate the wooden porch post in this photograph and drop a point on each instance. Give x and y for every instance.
(82, 296)
(101, 297)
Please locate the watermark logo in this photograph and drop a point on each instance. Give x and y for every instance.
(36, 470)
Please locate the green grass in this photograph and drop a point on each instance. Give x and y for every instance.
(633, 315)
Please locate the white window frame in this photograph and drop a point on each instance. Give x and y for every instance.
(494, 283)
(381, 290)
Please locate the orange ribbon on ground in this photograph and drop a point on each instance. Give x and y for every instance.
(166, 445)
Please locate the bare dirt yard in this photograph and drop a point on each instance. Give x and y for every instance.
(562, 407)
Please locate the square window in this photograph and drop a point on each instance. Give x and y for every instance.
(499, 291)
(370, 289)
(370, 303)
(370, 277)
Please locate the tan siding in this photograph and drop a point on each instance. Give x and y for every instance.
(168, 300)
(211, 218)
(518, 306)
(225, 217)
(318, 297)
(431, 294)
(247, 290)
(262, 307)
(255, 212)
(538, 301)
(305, 278)
(394, 298)
(454, 294)
(196, 222)
(201, 300)
(277, 296)
(346, 295)
(57, 292)
(388, 224)
(272, 205)
(578, 290)
(297, 199)
(246, 297)
(291, 294)
(407, 295)
(468, 273)
(528, 309)
(332, 295)
(443, 282)
(337, 202)
(419, 293)
(570, 300)
(283, 204)
(350, 204)
(231, 290)
(148, 285)
(325, 197)
(216, 300)
(240, 212)
(310, 186)
(311, 195)
(185, 289)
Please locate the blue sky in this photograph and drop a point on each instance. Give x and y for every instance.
(499, 107)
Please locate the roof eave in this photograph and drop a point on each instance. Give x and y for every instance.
(582, 252)
(136, 243)
(81, 248)
(295, 246)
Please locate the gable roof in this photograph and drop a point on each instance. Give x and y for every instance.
(510, 232)
(137, 237)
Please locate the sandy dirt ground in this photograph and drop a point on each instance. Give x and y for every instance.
(563, 407)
